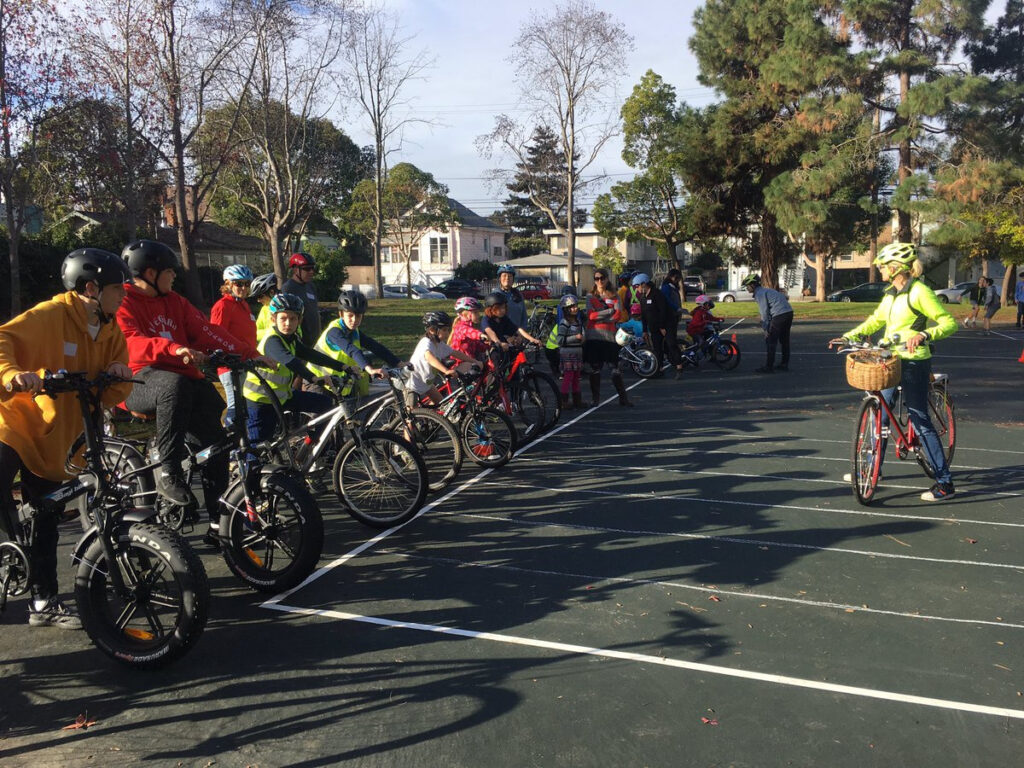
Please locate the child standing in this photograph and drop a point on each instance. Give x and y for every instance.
(430, 354)
(232, 313)
(570, 350)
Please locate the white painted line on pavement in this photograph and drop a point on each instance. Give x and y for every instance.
(692, 666)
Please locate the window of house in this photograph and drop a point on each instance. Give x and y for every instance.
(560, 243)
(498, 253)
(414, 253)
(439, 250)
(385, 254)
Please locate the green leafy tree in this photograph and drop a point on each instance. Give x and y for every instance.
(477, 269)
(608, 257)
(414, 203)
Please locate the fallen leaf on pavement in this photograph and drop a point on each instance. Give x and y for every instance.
(82, 721)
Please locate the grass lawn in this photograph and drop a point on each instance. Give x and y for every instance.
(396, 323)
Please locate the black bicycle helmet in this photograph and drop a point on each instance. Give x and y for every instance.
(263, 285)
(141, 255)
(92, 265)
(435, 318)
(495, 299)
(287, 302)
(352, 301)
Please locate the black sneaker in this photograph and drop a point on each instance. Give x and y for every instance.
(172, 487)
(53, 614)
(212, 536)
(938, 492)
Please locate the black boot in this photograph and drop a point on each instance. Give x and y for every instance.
(595, 389)
(620, 387)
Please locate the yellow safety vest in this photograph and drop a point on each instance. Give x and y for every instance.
(264, 322)
(279, 378)
(360, 386)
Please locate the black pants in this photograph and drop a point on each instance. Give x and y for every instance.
(185, 409)
(778, 335)
(43, 579)
(669, 343)
(1020, 312)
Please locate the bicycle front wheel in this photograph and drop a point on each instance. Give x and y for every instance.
(282, 544)
(546, 388)
(162, 611)
(647, 365)
(489, 437)
(438, 444)
(867, 451)
(381, 479)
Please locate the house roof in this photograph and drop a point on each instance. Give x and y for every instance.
(468, 218)
(213, 237)
(551, 260)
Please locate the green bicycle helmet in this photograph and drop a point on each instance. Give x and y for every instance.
(903, 253)
(752, 279)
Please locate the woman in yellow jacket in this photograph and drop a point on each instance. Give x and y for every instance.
(72, 331)
(910, 310)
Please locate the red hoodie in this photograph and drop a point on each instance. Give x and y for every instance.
(156, 326)
(234, 316)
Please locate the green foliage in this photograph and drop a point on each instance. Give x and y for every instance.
(331, 268)
(478, 269)
(608, 257)
(526, 246)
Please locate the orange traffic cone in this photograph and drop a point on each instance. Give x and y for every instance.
(734, 341)
(1021, 358)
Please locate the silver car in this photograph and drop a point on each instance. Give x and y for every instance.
(956, 294)
(419, 291)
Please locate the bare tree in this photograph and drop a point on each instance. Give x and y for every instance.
(37, 81)
(567, 63)
(379, 72)
(287, 156)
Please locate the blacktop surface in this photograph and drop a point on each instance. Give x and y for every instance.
(684, 583)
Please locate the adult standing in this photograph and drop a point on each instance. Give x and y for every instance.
(516, 302)
(599, 346)
(661, 322)
(303, 270)
(167, 337)
(1018, 297)
(670, 290)
(776, 320)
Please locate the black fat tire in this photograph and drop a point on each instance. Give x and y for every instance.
(647, 368)
(725, 354)
(488, 436)
(173, 573)
(284, 545)
(867, 455)
(384, 488)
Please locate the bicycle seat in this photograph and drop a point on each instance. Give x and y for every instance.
(939, 378)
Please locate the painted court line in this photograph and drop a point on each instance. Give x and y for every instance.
(693, 666)
(763, 597)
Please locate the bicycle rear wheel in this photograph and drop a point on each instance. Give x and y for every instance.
(282, 546)
(489, 437)
(381, 480)
(867, 451)
(725, 354)
(438, 444)
(547, 389)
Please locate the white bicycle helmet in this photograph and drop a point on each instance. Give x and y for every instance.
(623, 337)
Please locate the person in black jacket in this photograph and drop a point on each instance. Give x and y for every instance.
(661, 322)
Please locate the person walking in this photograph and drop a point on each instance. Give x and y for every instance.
(990, 300)
(776, 320)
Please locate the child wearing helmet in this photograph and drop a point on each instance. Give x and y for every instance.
(232, 313)
(263, 289)
(465, 336)
(72, 330)
(701, 318)
(570, 350)
(343, 341)
(496, 324)
(430, 356)
(289, 356)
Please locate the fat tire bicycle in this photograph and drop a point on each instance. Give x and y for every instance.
(142, 593)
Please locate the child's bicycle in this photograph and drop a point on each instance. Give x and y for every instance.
(142, 593)
(511, 384)
(487, 434)
(722, 352)
(878, 420)
(633, 353)
(378, 475)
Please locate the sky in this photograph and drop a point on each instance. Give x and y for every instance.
(472, 81)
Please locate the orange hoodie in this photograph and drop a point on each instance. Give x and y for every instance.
(52, 335)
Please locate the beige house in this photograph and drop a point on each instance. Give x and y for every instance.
(588, 239)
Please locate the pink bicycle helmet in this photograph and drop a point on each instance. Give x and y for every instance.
(467, 302)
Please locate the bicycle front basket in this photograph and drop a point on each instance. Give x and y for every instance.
(871, 370)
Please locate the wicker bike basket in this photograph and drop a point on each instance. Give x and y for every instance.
(872, 370)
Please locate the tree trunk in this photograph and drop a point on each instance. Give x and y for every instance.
(873, 248)
(905, 234)
(1007, 292)
(769, 248)
(378, 224)
(14, 247)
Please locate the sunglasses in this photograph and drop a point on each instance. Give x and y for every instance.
(600, 277)
(307, 269)
(242, 283)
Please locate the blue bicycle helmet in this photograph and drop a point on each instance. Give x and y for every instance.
(507, 268)
(237, 273)
(286, 302)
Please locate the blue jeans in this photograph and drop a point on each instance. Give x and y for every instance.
(915, 379)
(229, 397)
(263, 420)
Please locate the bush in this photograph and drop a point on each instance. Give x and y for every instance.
(331, 270)
(477, 269)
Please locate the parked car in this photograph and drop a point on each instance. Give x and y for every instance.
(693, 285)
(533, 290)
(419, 291)
(862, 292)
(956, 294)
(456, 288)
(736, 294)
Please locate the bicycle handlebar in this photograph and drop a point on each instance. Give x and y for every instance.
(73, 381)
